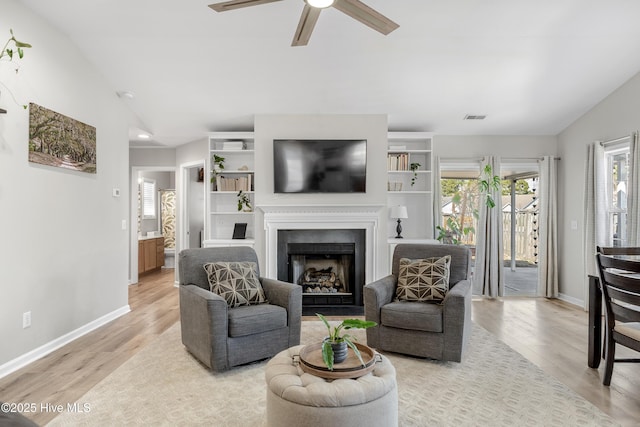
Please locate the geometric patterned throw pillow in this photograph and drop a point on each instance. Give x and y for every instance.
(236, 282)
(423, 279)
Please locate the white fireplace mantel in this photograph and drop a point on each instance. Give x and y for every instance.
(319, 217)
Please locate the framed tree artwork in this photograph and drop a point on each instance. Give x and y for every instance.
(60, 141)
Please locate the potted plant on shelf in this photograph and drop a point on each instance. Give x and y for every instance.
(414, 167)
(244, 200)
(218, 166)
(335, 346)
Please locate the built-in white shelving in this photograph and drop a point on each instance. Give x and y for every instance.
(411, 188)
(237, 149)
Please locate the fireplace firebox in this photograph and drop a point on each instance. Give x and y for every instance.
(328, 264)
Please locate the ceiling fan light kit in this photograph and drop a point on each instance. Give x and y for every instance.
(312, 8)
(320, 4)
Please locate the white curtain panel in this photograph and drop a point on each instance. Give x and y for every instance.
(595, 207)
(633, 193)
(437, 196)
(489, 270)
(548, 229)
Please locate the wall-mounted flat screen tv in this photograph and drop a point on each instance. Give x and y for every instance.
(320, 165)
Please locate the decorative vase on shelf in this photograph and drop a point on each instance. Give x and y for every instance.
(244, 202)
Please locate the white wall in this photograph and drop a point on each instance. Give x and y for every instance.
(187, 155)
(485, 145)
(373, 128)
(152, 157)
(616, 116)
(196, 215)
(64, 253)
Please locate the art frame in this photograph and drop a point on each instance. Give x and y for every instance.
(61, 141)
(239, 230)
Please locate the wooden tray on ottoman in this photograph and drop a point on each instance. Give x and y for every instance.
(311, 362)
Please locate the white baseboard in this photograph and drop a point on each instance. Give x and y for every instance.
(33, 355)
(571, 300)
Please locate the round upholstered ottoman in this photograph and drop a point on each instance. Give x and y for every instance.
(296, 398)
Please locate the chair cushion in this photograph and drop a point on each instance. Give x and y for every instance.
(255, 319)
(416, 316)
(236, 282)
(423, 279)
(631, 329)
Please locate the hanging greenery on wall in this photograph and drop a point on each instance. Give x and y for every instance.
(12, 49)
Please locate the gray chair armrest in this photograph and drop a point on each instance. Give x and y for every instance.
(376, 295)
(462, 289)
(456, 302)
(204, 325)
(280, 293)
(288, 296)
(457, 320)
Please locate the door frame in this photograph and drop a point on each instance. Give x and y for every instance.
(183, 203)
(133, 216)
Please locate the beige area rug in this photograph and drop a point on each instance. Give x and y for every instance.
(163, 385)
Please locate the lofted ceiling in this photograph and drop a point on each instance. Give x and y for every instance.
(531, 67)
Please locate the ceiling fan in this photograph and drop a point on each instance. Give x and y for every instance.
(312, 8)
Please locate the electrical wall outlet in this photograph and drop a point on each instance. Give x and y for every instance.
(26, 319)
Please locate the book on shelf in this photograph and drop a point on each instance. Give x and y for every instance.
(243, 183)
(397, 161)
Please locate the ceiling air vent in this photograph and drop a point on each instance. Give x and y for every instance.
(475, 117)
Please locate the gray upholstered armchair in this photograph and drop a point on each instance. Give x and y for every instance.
(222, 337)
(439, 331)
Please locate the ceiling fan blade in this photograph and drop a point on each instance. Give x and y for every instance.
(306, 24)
(237, 4)
(368, 16)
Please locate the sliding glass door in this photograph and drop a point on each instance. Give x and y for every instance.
(519, 204)
(520, 228)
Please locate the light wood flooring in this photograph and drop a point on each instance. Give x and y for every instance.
(551, 334)
(68, 373)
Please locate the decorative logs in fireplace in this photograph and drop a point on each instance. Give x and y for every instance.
(321, 281)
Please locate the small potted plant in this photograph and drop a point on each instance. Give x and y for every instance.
(414, 167)
(335, 346)
(218, 166)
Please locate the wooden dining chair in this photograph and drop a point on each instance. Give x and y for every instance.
(618, 250)
(620, 281)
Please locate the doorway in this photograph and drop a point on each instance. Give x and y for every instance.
(192, 205)
(520, 228)
(143, 224)
(519, 204)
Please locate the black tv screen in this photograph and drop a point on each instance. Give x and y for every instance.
(319, 165)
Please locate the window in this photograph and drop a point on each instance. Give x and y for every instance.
(616, 173)
(148, 198)
(459, 204)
